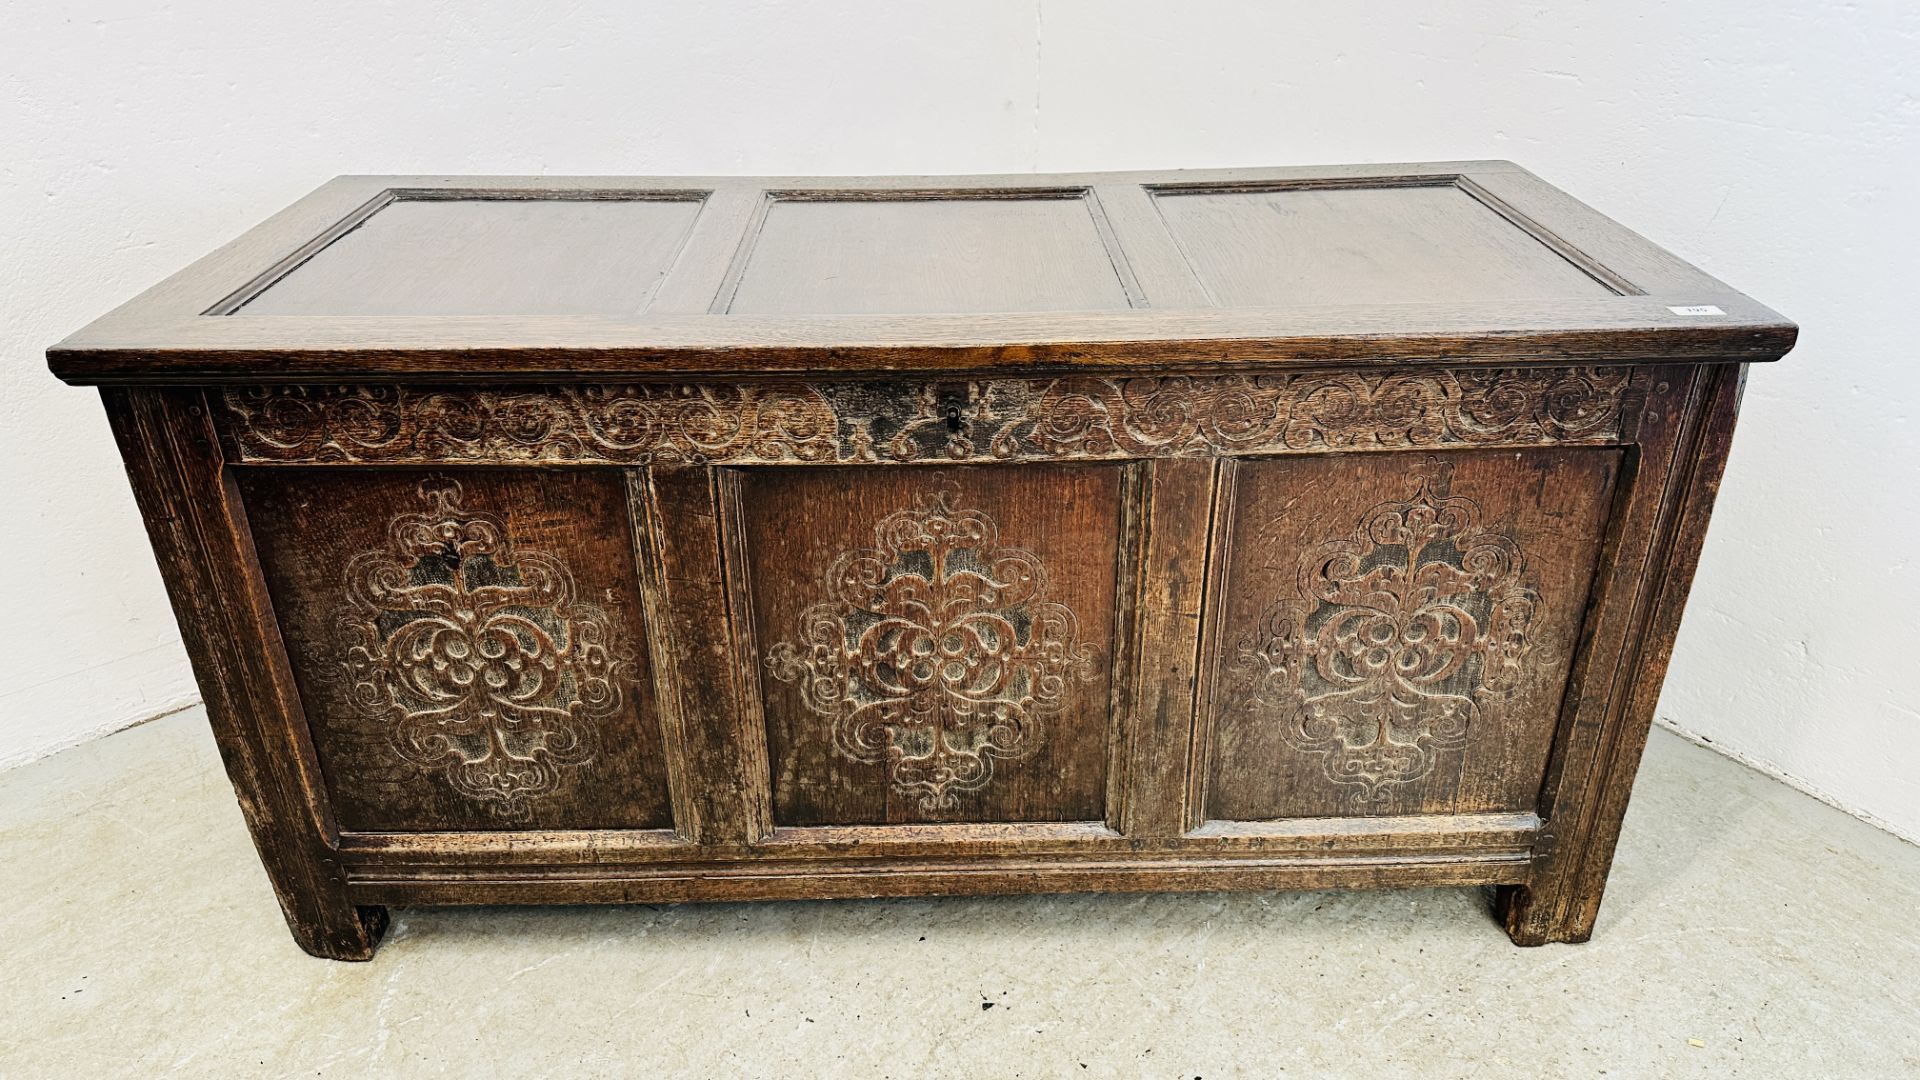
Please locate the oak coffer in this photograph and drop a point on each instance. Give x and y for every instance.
(547, 540)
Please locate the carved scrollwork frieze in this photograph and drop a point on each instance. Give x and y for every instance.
(1076, 417)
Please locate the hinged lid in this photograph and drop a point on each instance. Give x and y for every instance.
(542, 277)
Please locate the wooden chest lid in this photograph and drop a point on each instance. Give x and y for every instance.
(401, 277)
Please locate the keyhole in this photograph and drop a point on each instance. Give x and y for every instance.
(953, 418)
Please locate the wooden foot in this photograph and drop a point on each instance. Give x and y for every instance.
(351, 933)
(1530, 918)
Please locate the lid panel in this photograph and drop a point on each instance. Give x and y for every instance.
(1361, 245)
(607, 278)
(915, 255)
(475, 256)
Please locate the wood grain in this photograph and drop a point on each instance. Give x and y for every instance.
(820, 256)
(1157, 667)
(708, 688)
(1461, 262)
(489, 671)
(1356, 245)
(669, 885)
(1001, 420)
(1396, 630)
(937, 640)
(423, 257)
(204, 546)
(1686, 437)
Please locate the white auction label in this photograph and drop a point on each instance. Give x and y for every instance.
(1697, 309)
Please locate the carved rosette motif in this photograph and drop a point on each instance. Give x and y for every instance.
(1401, 636)
(478, 655)
(935, 652)
(984, 420)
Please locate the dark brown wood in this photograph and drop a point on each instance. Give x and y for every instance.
(1157, 664)
(707, 689)
(937, 640)
(488, 616)
(1588, 799)
(427, 257)
(1263, 246)
(776, 422)
(895, 536)
(201, 538)
(820, 881)
(866, 255)
(1627, 314)
(1396, 630)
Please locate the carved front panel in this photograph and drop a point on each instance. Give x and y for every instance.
(466, 644)
(935, 643)
(1396, 630)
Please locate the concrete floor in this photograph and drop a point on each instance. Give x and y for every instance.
(1764, 935)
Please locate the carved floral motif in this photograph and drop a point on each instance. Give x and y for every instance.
(478, 654)
(935, 652)
(1401, 636)
(983, 420)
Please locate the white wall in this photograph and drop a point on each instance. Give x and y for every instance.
(1773, 144)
